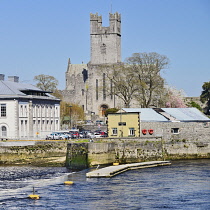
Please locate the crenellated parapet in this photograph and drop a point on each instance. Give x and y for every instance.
(114, 24)
(115, 16)
(95, 17)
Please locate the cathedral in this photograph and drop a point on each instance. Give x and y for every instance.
(86, 84)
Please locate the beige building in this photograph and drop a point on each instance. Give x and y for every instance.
(26, 111)
(124, 124)
(165, 123)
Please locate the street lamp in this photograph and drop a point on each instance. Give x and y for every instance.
(70, 115)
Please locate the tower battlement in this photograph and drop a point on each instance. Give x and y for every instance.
(95, 17)
(115, 16)
(105, 41)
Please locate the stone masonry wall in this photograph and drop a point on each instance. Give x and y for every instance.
(39, 154)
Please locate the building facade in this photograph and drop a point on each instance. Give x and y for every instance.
(26, 111)
(166, 123)
(86, 84)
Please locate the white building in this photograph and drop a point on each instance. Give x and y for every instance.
(26, 112)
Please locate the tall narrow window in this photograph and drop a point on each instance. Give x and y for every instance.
(103, 48)
(96, 89)
(111, 91)
(3, 110)
(131, 132)
(104, 86)
(114, 131)
(4, 131)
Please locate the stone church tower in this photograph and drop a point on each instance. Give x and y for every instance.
(86, 84)
(105, 41)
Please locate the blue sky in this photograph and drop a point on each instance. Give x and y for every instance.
(38, 36)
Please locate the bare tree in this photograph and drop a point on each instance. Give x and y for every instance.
(46, 82)
(146, 68)
(123, 83)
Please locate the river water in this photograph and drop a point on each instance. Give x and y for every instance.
(181, 185)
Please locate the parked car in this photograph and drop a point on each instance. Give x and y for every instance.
(75, 134)
(81, 135)
(100, 122)
(100, 134)
(56, 136)
(88, 122)
(84, 133)
(103, 134)
(67, 134)
(91, 135)
(97, 135)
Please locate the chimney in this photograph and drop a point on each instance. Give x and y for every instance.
(13, 78)
(2, 77)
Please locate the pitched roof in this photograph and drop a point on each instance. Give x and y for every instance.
(147, 114)
(186, 114)
(15, 89)
(169, 114)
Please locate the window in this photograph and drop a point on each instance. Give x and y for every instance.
(4, 131)
(175, 130)
(114, 131)
(104, 86)
(25, 111)
(96, 89)
(3, 110)
(121, 123)
(111, 89)
(21, 110)
(131, 132)
(103, 48)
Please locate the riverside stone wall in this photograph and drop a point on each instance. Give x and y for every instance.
(42, 153)
(142, 149)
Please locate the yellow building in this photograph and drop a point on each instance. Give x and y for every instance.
(124, 125)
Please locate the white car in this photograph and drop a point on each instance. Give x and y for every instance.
(90, 135)
(56, 136)
(97, 135)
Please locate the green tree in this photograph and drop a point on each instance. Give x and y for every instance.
(111, 110)
(46, 82)
(194, 104)
(205, 96)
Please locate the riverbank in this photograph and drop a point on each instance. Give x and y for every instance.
(81, 153)
(36, 153)
(123, 151)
